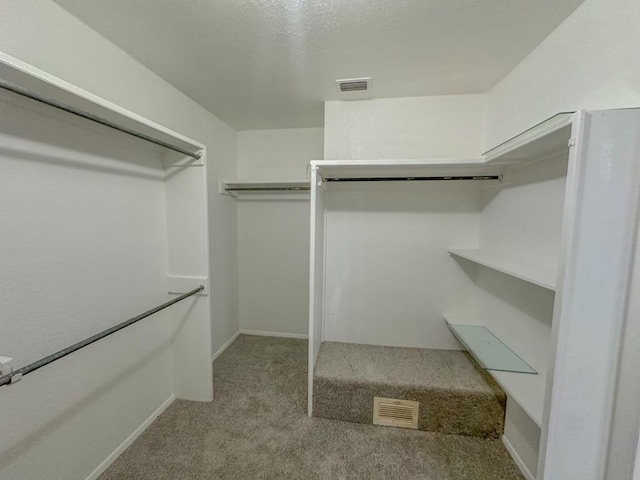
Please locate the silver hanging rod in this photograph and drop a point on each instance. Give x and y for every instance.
(267, 189)
(89, 116)
(413, 179)
(18, 374)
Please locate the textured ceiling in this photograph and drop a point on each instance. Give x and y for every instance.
(271, 63)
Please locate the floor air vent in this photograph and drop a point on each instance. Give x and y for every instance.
(395, 413)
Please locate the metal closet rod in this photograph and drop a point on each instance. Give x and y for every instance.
(89, 116)
(266, 189)
(412, 179)
(18, 374)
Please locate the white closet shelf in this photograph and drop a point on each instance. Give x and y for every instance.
(526, 389)
(29, 78)
(340, 169)
(252, 190)
(545, 139)
(529, 273)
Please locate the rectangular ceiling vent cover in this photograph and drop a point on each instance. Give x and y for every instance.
(395, 413)
(353, 86)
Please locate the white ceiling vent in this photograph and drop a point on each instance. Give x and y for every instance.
(395, 413)
(354, 88)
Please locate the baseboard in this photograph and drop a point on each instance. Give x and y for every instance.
(130, 439)
(273, 334)
(225, 346)
(516, 458)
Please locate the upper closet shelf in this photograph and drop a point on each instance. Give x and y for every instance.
(389, 170)
(248, 190)
(24, 80)
(543, 140)
(524, 271)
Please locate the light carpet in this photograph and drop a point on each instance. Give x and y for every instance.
(257, 428)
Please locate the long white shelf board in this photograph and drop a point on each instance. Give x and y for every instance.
(524, 271)
(405, 168)
(526, 389)
(34, 80)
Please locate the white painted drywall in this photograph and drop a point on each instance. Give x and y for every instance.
(273, 260)
(590, 61)
(410, 128)
(389, 279)
(278, 155)
(273, 236)
(97, 390)
(384, 242)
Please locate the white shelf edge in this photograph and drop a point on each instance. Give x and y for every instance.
(454, 161)
(514, 384)
(405, 169)
(523, 271)
(506, 382)
(18, 72)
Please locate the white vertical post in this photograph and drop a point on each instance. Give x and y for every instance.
(188, 261)
(316, 276)
(601, 207)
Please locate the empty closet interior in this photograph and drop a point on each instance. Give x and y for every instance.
(476, 254)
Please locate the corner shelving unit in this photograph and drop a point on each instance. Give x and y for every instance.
(577, 355)
(569, 198)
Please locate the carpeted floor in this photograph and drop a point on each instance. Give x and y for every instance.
(257, 428)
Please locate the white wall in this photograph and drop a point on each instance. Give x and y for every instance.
(590, 61)
(389, 279)
(273, 236)
(281, 154)
(113, 387)
(382, 247)
(405, 128)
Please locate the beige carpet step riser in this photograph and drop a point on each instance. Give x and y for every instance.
(440, 411)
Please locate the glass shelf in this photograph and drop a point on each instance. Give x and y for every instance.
(488, 350)
(546, 138)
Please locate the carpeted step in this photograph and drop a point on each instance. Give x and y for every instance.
(454, 396)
